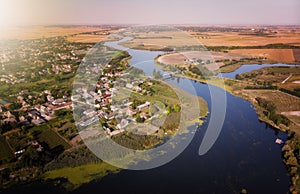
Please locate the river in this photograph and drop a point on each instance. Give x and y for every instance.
(244, 156)
(250, 67)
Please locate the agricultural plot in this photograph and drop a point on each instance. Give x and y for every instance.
(284, 102)
(5, 151)
(53, 139)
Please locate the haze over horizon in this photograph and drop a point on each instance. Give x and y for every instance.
(90, 12)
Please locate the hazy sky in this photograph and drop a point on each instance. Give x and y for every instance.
(32, 12)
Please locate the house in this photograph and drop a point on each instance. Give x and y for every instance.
(137, 88)
(58, 107)
(106, 95)
(143, 115)
(122, 124)
(50, 98)
(143, 106)
(35, 114)
(89, 112)
(58, 102)
(20, 152)
(114, 108)
(109, 116)
(47, 92)
(128, 85)
(130, 112)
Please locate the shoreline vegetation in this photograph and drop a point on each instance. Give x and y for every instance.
(291, 148)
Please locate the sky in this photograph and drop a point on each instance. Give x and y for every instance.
(235, 12)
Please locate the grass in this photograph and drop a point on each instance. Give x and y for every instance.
(230, 68)
(5, 151)
(162, 93)
(81, 174)
(53, 139)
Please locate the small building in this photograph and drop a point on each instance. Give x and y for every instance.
(143, 106)
(122, 124)
(35, 114)
(128, 85)
(109, 116)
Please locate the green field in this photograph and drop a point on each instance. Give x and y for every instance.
(53, 139)
(81, 174)
(5, 151)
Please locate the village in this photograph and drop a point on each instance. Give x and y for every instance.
(115, 113)
(37, 122)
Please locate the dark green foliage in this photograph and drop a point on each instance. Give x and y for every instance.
(200, 70)
(271, 112)
(137, 142)
(295, 92)
(75, 157)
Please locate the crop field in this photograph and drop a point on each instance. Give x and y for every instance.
(52, 139)
(160, 40)
(284, 102)
(91, 37)
(26, 33)
(279, 55)
(249, 37)
(5, 151)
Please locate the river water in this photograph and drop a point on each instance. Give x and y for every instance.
(248, 68)
(244, 156)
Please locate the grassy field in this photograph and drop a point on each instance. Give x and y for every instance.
(53, 139)
(5, 151)
(81, 174)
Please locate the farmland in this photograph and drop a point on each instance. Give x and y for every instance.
(52, 139)
(75, 33)
(245, 35)
(284, 78)
(278, 55)
(5, 151)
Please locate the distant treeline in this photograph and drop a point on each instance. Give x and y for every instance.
(266, 87)
(295, 92)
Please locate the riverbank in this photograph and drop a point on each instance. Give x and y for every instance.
(237, 88)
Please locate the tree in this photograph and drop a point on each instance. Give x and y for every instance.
(139, 119)
(176, 108)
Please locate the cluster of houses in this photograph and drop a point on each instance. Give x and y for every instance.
(38, 114)
(39, 52)
(101, 105)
